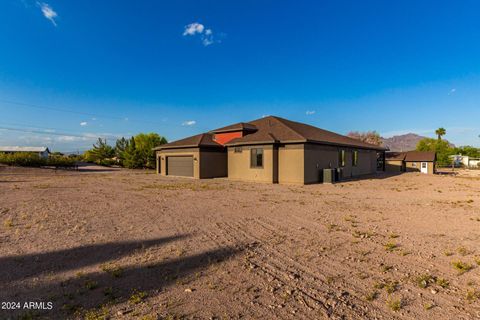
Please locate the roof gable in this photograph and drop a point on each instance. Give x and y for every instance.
(199, 140)
(241, 126)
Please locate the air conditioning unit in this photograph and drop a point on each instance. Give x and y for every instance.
(328, 176)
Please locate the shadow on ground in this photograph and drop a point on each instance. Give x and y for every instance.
(30, 265)
(131, 284)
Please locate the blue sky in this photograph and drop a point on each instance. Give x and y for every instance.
(74, 70)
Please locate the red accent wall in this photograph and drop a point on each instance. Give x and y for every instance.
(223, 138)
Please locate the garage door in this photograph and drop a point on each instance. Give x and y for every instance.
(180, 166)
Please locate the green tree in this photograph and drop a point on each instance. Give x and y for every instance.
(145, 142)
(131, 155)
(100, 153)
(441, 147)
(120, 147)
(440, 132)
(468, 151)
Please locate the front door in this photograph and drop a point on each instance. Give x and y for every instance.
(424, 167)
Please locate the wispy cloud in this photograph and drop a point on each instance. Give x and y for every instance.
(197, 29)
(48, 12)
(310, 112)
(189, 123)
(452, 91)
(193, 28)
(83, 123)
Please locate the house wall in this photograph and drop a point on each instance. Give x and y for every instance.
(195, 152)
(415, 166)
(291, 164)
(239, 165)
(367, 163)
(394, 166)
(319, 157)
(213, 163)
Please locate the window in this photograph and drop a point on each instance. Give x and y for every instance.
(256, 158)
(237, 150)
(341, 158)
(355, 158)
(414, 164)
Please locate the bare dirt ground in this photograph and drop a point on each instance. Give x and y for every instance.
(132, 245)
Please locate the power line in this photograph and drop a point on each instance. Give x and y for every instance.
(57, 133)
(28, 105)
(30, 126)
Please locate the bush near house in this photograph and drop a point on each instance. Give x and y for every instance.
(467, 151)
(27, 159)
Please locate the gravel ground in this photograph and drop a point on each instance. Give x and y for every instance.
(126, 244)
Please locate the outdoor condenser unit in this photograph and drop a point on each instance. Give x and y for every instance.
(328, 176)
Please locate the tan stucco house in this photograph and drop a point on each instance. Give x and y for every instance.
(270, 149)
(411, 161)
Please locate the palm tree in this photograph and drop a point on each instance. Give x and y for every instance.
(440, 132)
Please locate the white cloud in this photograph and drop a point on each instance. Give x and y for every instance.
(68, 138)
(452, 91)
(83, 123)
(310, 112)
(48, 12)
(193, 28)
(189, 123)
(196, 28)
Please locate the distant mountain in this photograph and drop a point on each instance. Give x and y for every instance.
(404, 142)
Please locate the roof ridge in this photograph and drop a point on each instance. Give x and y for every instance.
(281, 121)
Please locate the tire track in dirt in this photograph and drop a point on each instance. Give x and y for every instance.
(286, 271)
(344, 267)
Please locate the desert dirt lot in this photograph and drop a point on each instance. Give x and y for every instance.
(134, 245)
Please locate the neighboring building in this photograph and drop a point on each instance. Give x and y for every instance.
(269, 149)
(42, 152)
(465, 161)
(420, 161)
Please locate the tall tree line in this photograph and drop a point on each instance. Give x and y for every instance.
(136, 152)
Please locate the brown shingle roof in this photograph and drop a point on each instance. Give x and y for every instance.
(274, 129)
(271, 130)
(395, 156)
(241, 126)
(413, 156)
(199, 140)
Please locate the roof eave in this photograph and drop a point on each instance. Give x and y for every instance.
(234, 130)
(187, 146)
(305, 141)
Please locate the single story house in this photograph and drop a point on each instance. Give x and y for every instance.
(42, 152)
(465, 161)
(411, 161)
(270, 149)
